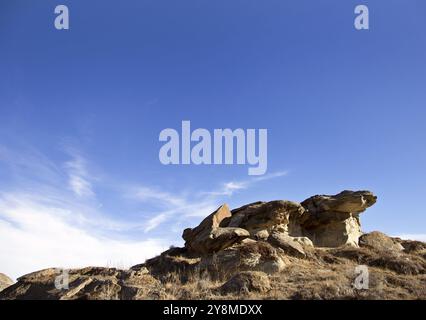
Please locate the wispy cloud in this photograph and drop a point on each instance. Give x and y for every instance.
(180, 207)
(229, 188)
(46, 225)
(50, 216)
(152, 194)
(41, 235)
(29, 166)
(155, 222)
(78, 176)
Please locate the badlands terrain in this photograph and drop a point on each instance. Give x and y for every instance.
(264, 250)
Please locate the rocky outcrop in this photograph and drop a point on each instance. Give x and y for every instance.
(246, 256)
(210, 237)
(5, 281)
(85, 284)
(277, 249)
(282, 216)
(287, 243)
(332, 221)
(323, 220)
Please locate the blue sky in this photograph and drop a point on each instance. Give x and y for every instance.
(81, 111)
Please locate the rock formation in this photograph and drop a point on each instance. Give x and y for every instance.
(210, 237)
(323, 220)
(331, 221)
(5, 281)
(89, 283)
(277, 249)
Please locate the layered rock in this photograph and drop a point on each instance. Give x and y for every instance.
(210, 237)
(245, 256)
(282, 216)
(321, 220)
(5, 281)
(333, 220)
(90, 283)
(288, 244)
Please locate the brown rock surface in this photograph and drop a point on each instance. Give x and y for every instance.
(209, 237)
(90, 283)
(5, 281)
(287, 243)
(274, 215)
(333, 220)
(380, 241)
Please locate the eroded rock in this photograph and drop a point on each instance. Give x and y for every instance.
(333, 220)
(92, 283)
(270, 216)
(209, 237)
(379, 241)
(287, 243)
(249, 255)
(5, 281)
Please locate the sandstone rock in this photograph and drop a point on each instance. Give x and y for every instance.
(287, 243)
(261, 235)
(379, 241)
(332, 221)
(247, 256)
(304, 241)
(5, 281)
(90, 283)
(209, 237)
(345, 202)
(247, 281)
(275, 215)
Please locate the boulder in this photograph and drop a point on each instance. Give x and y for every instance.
(380, 242)
(287, 243)
(261, 235)
(304, 241)
(345, 202)
(5, 281)
(249, 255)
(245, 282)
(209, 237)
(333, 220)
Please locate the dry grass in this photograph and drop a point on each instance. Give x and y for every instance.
(323, 274)
(327, 274)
